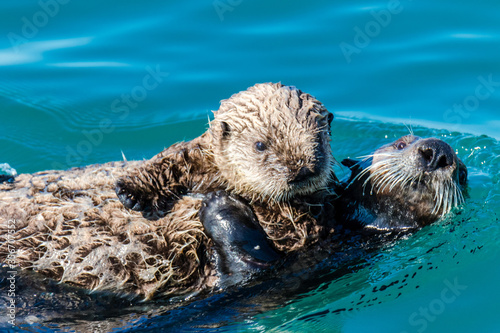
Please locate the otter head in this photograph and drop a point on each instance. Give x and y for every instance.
(408, 183)
(272, 142)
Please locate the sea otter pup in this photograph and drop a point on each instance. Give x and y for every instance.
(270, 144)
(406, 184)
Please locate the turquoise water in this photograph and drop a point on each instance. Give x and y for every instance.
(84, 82)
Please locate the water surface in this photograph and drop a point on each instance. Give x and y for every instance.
(84, 82)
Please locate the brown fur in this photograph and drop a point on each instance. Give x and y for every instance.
(293, 125)
(69, 225)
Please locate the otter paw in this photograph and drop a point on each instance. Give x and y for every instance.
(6, 179)
(214, 202)
(127, 196)
(242, 248)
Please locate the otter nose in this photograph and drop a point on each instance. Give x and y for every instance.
(303, 174)
(436, 154)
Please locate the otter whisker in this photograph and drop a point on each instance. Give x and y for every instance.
(460, 194)
(455, 195)
(439, 200)
(362, 173)
(446, 203)
(408, 181)
(392, 180)
(366, 157)
(400, 180)
(384, 168)
(442, 198)
(381, 183)
(378, 173)
(420, 178)
(436, 196)
(379, 180)
(409, 128)
(387, 172)
(451, 197)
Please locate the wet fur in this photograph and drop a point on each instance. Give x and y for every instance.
(70, 226)
(295, 128)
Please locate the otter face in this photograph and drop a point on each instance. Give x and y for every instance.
(272, 142)
(412, 181)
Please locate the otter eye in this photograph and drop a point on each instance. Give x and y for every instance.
(260, 146)
(401, 145)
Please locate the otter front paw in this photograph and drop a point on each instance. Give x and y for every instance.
(129, 196)
(6, 178)
(241, 246)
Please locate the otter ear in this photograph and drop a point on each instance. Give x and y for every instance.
(330, 117)
(462, 172)
(350, 163)
(353, 165)
(225, 129)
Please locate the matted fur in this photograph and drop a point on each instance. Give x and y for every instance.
(69, 226)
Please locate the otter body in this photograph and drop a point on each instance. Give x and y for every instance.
(269, 145)
(69, 226)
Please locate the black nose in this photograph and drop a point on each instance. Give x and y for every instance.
(303, 174)
(436, 154)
